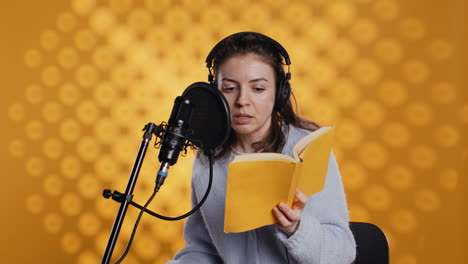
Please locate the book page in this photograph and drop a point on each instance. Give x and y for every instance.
(262, 156)
(302, 144)
(312, 171)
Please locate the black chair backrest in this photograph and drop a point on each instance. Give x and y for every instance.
(371, 242)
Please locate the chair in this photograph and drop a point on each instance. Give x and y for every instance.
(371, 242)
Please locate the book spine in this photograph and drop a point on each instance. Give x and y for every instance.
(294, 181)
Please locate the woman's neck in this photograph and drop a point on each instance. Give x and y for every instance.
(244, 146)
(245, 143)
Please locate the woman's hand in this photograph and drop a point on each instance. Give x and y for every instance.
(287, 219)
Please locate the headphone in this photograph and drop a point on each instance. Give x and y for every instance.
(283, 89)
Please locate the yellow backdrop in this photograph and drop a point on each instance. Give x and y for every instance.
(79, 80)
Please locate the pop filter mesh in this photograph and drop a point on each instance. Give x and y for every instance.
(211, 119)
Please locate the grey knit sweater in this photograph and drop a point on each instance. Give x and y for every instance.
(323, 235)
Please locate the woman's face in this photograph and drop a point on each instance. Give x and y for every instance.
(248, 83)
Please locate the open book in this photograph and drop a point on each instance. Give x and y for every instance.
(258, 182)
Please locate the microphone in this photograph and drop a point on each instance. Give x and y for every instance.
(175, 137)
(200, 117)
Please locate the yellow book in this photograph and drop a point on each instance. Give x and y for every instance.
(258, 182)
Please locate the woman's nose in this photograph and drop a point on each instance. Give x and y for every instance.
(242, 97)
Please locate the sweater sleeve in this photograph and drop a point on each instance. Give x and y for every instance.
(323, 235)
(199, 247)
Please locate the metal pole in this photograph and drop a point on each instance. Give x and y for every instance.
(128, 193)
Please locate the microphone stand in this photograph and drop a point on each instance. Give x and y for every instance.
(149, 129)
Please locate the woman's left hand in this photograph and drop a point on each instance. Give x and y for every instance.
(288, 218)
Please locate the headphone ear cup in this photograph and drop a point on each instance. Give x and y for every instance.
(283, 92)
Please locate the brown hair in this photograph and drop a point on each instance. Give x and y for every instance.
(258, 44)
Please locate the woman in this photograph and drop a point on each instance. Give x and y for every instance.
(247, 68)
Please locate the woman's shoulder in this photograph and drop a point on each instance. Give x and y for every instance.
(201, 162)
(293, 135)
(298, 132)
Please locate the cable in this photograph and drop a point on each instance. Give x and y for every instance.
(202, 201)
(169, 218)
(129, 244)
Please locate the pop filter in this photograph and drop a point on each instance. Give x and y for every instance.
(210, 123)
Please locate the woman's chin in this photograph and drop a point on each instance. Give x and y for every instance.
(242, 130)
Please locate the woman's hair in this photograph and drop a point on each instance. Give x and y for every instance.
(254, 43)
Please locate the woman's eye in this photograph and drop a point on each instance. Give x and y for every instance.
(228, 89)
(259, 89)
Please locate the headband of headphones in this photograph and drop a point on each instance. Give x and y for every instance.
(283, 88)
(278, 47)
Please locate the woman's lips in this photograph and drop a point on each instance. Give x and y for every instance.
(242, 119)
